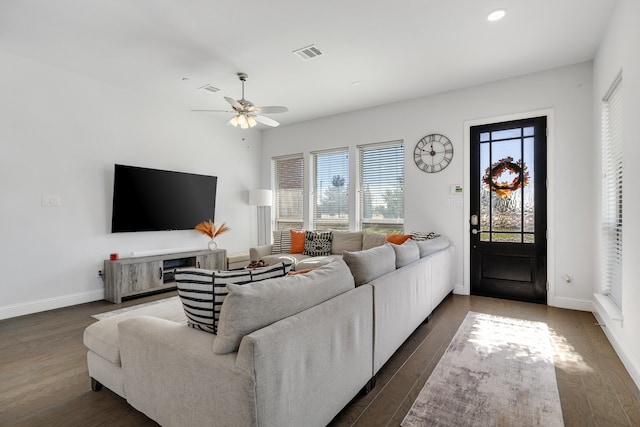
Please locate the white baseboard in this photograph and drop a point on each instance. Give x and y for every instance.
(621, 350)
(571, 303)
(459, 289)
(15, 310)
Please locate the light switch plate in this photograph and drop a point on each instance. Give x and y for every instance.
(48, 200)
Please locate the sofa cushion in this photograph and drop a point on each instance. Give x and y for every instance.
(406, 253)
(370, 264)
(203, 291)
(317, 243)
(346, 241)
(253, 306)
(373, 240)
(102, 337)
(297, 241)
(432, 245)
(315, 262)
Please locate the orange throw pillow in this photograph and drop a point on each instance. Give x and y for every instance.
(297, 241)
(398, 239)
(293, 273)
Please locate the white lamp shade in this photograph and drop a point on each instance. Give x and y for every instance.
(260, 197)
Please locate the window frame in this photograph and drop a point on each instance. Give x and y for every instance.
(612, 195)
(381, 225)
(320, 224)
(285, 223)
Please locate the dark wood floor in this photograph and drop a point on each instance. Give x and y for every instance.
(44, 380)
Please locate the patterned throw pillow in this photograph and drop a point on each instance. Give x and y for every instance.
(202, 292)
(317, 243)
(423, 235)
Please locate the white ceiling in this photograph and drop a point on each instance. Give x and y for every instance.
(397, 50)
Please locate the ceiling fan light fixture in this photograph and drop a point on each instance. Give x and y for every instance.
(248, 115)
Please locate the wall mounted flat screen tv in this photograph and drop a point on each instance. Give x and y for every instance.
(155, 200)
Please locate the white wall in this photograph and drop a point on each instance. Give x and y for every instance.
(619, 51)
(61, 134)
(566, 91)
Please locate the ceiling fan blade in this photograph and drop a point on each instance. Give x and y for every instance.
(272, 109)
(266, 121)
(233, 102)
(214, 111)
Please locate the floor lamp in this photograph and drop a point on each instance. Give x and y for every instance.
(262, 199)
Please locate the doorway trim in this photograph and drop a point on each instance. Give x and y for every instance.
(549, 114)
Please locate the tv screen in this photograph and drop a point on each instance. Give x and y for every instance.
(153, 200)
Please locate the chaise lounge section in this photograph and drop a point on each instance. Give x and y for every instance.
(290, 351)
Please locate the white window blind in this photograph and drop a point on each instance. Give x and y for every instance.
(331, 189)
(288, 175)
(612, 193)
(381, 187)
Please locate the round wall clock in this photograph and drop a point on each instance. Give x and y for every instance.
(433, 153)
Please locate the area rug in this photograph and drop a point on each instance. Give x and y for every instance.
(497, 371)
(108, 314)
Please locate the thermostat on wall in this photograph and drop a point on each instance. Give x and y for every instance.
(456, 189)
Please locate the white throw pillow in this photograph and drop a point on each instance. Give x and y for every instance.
(432, 245)
(370, 264)
(406, 253)
(254, 306)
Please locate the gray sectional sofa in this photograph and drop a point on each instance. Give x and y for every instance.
(290, 351)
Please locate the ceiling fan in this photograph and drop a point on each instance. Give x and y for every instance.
(247, 114)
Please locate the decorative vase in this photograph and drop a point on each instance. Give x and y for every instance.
(212, 245)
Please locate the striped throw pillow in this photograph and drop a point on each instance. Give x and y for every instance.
(202, 292)
(281, 242)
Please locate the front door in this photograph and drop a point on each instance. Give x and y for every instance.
(508, 210)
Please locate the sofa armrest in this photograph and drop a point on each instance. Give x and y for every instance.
(166, 364)
(258, 252)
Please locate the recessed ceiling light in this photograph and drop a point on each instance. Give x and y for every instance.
(497, 15)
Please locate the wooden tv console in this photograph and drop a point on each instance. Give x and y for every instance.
(130, 277)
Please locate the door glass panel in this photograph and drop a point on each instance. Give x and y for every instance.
(528, 203)
(485, 194)
(506, 134)
(506, 194)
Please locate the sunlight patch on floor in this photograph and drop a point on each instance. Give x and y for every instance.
(565, 355)
(491, 335)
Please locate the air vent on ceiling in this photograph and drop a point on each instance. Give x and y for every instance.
(210, 88)
(308, 52)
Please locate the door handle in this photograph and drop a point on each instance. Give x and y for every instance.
(474, 220)
(474, 231)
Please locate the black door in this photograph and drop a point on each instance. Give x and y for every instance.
(509, 210)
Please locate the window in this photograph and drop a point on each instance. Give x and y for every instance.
(330, 190)
(612, 193)
(381, 187)
(288, 175)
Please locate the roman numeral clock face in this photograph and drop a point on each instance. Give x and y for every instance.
(433, 153)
